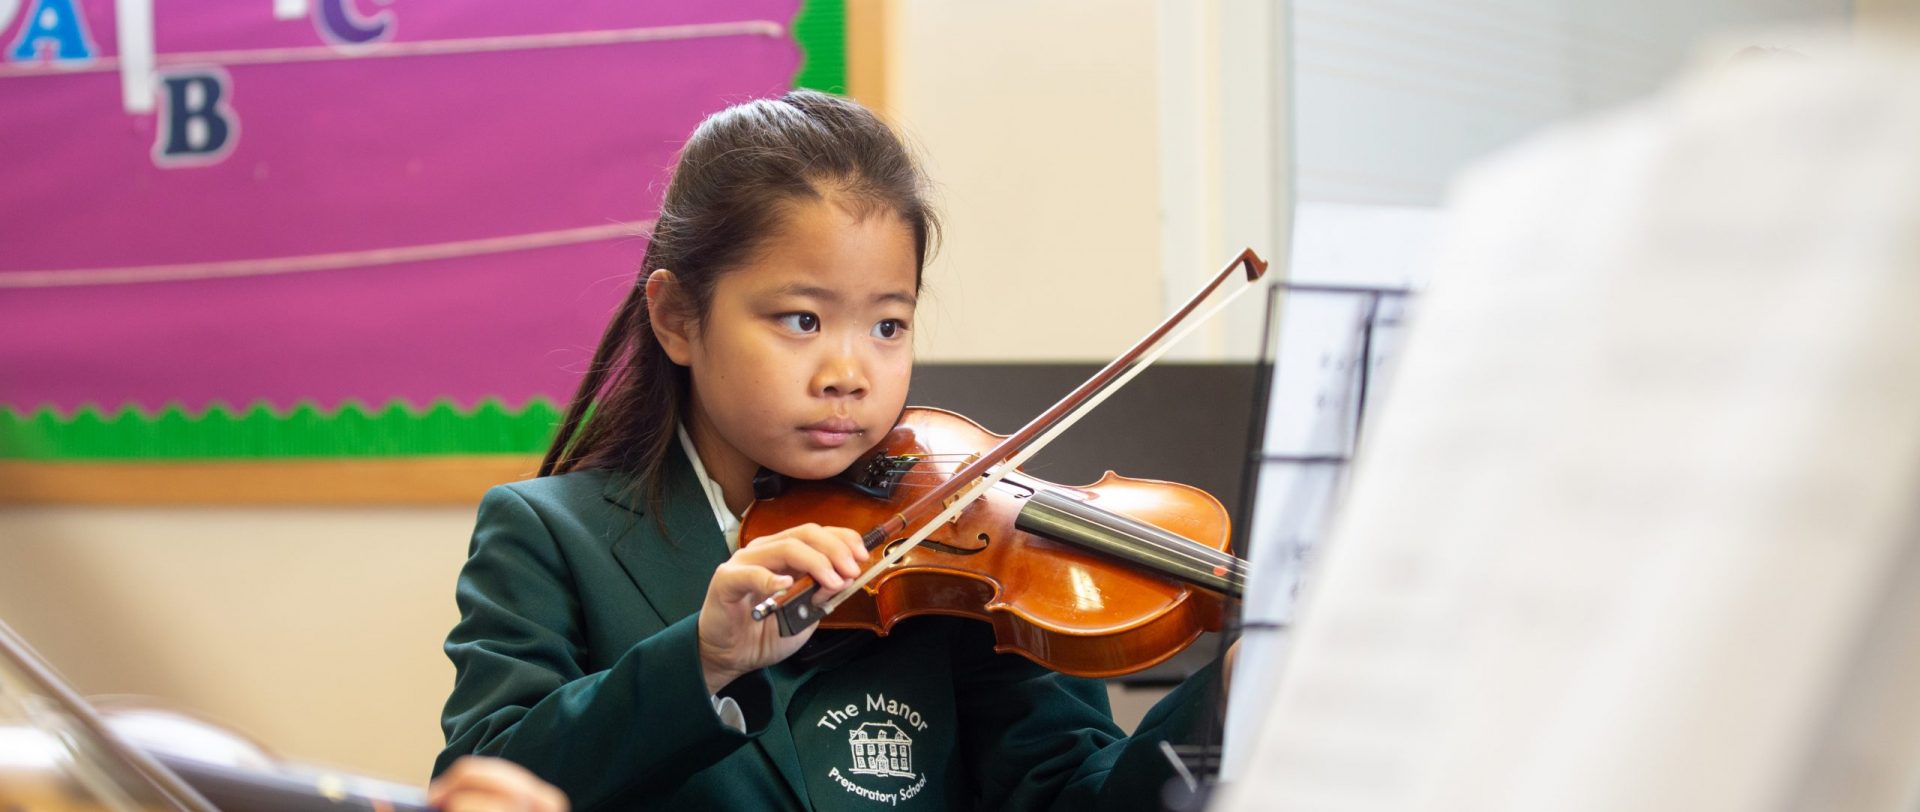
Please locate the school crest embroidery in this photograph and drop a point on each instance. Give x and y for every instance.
(880, 734)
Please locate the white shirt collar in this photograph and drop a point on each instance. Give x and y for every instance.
(716, 498)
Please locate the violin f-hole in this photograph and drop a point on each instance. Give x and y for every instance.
(952, 550)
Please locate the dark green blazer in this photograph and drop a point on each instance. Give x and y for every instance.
(577, 657)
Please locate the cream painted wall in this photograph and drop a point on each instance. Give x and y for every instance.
(1039, 125)
(316, 631)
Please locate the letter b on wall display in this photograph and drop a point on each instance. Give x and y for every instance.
(196, 126)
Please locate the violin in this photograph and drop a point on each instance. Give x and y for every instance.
(1095, 580)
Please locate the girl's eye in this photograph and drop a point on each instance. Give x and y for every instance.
(890, 328)
(800, 322)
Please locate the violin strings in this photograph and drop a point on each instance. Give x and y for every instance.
(1184, 551)
(1192, 552)
(906, 467)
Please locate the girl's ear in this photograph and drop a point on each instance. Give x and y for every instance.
(664, 316)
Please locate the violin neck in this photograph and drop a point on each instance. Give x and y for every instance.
(1057, 516)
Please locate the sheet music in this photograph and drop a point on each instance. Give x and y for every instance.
(1340, 314)
(1632, 529)
(1330, 347)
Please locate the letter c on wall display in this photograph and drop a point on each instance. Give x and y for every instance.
(340, 24)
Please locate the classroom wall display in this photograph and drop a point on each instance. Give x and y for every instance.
(272, 229)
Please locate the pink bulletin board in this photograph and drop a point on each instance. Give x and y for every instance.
(313, 230)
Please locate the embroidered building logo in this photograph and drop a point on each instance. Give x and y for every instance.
(881, 748)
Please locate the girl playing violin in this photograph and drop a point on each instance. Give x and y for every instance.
(606, 639)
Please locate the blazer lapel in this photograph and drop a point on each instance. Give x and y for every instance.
(671, 571)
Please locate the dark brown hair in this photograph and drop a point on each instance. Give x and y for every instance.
(738, 175)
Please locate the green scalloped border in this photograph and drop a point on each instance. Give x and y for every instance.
(820, 29)
(396, 429)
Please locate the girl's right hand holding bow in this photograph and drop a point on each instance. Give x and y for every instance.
(732, 643)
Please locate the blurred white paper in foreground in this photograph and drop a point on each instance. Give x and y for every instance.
(1636, 525)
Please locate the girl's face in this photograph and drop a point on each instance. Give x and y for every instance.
(803, 361)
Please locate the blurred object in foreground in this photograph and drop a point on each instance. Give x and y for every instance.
(61, 752)
(1636, 529)
(54, 758)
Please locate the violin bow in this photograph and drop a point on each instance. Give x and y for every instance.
(793, 606)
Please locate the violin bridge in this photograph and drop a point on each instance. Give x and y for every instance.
(949, 503)
(956, 497)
